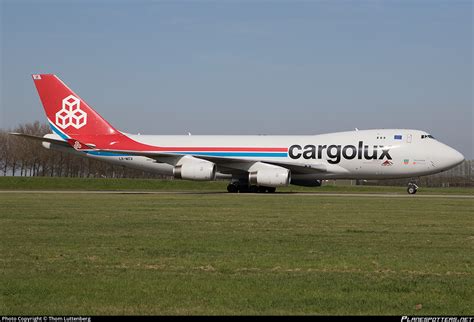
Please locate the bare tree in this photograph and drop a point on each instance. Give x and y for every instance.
(4, 152)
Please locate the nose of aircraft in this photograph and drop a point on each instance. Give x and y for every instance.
(449, 157)
(457, 157)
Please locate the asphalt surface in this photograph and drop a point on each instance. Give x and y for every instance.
(313, 194)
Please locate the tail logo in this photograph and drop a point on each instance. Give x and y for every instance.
(71, 114)
(77, 145)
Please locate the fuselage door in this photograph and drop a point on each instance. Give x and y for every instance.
(409, 138)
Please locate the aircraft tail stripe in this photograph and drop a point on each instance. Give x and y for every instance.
(57, 131)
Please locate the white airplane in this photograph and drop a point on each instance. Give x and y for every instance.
(251, 163)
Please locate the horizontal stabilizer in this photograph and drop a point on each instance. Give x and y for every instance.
(41, 138)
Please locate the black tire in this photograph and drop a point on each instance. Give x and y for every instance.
(271, 189)
(232, 188)
(411, 190)
(243, 188)
(254, 189)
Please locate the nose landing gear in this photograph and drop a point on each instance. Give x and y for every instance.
(412, 188)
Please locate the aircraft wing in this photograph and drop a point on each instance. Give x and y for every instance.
(229, 163)
(40, 138)
(295, 168)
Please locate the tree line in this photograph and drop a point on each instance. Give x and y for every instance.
(25, 157)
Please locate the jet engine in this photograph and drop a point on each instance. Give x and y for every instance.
(270, 176)
(195, 169)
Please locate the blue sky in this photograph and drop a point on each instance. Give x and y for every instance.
(247, 67)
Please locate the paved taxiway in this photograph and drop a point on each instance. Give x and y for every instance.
(313, 194)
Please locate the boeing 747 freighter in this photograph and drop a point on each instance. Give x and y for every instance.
(250, 163)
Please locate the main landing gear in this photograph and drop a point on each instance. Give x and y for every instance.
(412, 188)
(236, 187)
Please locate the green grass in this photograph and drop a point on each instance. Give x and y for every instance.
(234, 254)
(109, 184)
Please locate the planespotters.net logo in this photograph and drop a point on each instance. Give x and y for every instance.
(437, 319)
(71, 114)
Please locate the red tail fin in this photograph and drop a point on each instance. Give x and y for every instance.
(68, 115)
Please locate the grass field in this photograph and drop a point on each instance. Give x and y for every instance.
(211, 253)
(92, 184)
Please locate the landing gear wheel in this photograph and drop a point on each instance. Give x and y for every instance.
(271, 189)
(243, 188)
(254, 189)
(412, 188)
(232, 188)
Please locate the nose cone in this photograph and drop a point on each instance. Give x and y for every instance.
(457, 157)
(450, 157)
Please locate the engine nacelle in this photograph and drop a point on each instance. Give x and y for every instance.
(270, 176)
(195, 169)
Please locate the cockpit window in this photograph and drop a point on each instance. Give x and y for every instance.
(425, 136)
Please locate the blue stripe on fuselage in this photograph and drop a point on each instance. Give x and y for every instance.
(238, 154)
(107, 154)
(213, 154)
